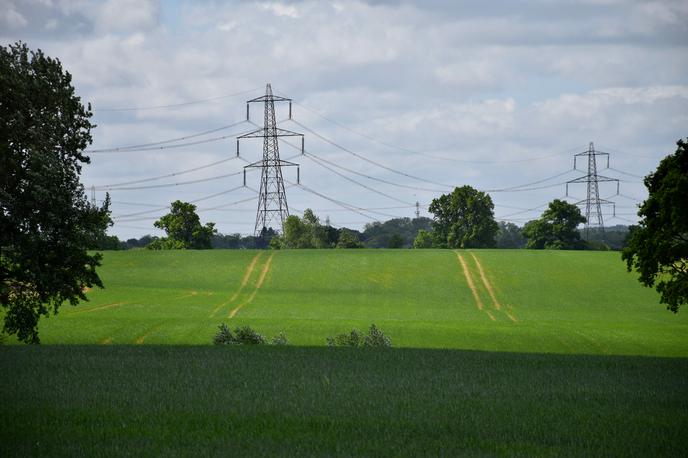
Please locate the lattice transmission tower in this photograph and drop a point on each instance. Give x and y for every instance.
(593, 203)
(272, 200)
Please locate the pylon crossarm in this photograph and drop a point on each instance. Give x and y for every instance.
(269, 98)
(604, 178)
(261, 164)
(583, 179)
(261, 133)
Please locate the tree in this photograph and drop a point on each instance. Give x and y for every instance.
(464, 219)
(46, 221)
(348, 239)
(378, 234)
(556, 229)
(396, 241)
(424, 239)
(509, 236)
(184, 229)
(658, 246)
(297, 233)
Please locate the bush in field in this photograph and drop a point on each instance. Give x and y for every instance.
(247, 336)
(279, 339)
(244, 335)
(352, 339)
(374, 338)
(224, 336)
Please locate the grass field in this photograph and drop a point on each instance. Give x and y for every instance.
(522, 301)
(576, 359)
(300, 401)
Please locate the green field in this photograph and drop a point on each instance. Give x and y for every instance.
(515, 353)
(299, 401)
(541, 301)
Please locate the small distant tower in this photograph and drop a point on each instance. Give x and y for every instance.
(93, 196)
(327, 220)
(593, 203)
(417, 210)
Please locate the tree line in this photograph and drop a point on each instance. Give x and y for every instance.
(462, 219)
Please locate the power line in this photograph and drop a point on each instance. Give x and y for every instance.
(168, 185)
(163, 147)
(175, 105)
(398, 172)
(525, 185)
(169, 175)
(200, 199)
(312, 158)
(425, 153)
(162, 142)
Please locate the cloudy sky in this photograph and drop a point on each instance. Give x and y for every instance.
(397, 100)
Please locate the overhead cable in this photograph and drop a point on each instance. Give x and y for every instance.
(175, 105)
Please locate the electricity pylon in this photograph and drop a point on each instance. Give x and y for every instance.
(593, 203)
(272, 200)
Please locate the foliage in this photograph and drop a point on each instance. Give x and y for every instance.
(244, 335)
(374, 338)
(509, 236)
(556, 228)
(280, 339)
(658, 247)
(352, 339)
(46, 221)
(614, 237)
(275, 243)
(424, 239)
(464, 219)
(395, 241)
(224, 336)
(348, 239)
(297, 233)
(184, 229)
(378, 234)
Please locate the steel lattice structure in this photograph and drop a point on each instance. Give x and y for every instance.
(272, 201)
(593, 203)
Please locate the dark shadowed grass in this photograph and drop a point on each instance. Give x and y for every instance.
(296, 401)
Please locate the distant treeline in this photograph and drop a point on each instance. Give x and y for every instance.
(394, 233)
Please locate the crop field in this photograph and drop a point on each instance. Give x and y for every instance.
(496, 300)
(497, 353)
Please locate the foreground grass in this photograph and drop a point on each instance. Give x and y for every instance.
(538, 301)
(296, 401)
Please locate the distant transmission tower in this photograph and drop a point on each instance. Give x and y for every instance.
(272, 201)
(593, 203)
(93, 196)
(417, 209)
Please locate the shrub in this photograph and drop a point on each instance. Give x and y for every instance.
(224, 336)
(243, 336)
(376, 338)
(279, 339)
(247, 336)
(353, 339)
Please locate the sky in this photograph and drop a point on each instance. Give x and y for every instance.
(399, 101)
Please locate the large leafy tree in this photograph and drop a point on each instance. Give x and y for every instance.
(184, 229)
(658, 247)
(46, 221)
(464, 219)
(556, 229)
